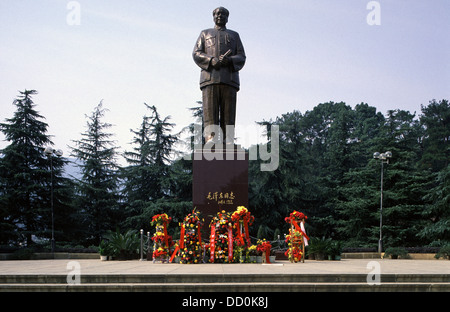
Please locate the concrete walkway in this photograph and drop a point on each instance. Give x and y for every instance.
(345, 266)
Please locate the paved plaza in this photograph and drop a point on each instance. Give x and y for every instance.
(344, 266)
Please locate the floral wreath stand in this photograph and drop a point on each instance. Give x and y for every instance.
(297, 237)
(242, 219)
(161, 240)
(190, 245)
(264, 247)
(221, 238)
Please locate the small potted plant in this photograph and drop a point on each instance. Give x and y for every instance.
(334, 250)
(319, 247)
(264, 247)
(272, 256)
(103, 250)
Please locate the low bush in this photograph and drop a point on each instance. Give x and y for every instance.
(444, 252)
(395, 252)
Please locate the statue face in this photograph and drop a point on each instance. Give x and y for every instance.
(220, 17)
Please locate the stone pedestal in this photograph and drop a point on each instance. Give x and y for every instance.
(220, 181)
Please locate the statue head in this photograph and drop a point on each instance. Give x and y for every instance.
(220, 15)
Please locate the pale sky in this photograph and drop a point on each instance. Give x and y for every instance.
(299, 53)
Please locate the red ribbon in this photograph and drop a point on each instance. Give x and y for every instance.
(166, 237)
(299, 229)
(247, 237)
(230, 243)
(180, 244)
(174, 253)
(182, 236)
(212, 243)
(199, 235)
(267, 252)
(239, 235)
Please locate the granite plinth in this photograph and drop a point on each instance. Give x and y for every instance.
(220, 181)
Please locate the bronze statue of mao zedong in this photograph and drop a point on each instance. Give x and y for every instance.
(220, 55)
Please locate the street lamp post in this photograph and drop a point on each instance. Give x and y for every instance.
(384, 157)
(49, 151)
(142, 245)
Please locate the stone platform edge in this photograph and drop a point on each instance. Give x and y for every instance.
(68, 255)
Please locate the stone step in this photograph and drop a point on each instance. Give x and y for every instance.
(220, 278)
(227, 287)
(223, 282)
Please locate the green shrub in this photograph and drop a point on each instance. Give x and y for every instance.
(23, 254)
(123, 246)
(334, 250)
(319, 247)
(444, 252)
(104, 249)
(395, 252)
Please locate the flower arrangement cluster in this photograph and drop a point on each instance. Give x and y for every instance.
(160, 219)
(296, 237)
(295, 251)
(161, 240)
(221, 239)
(264, 247)
(229, 240)
(251, 251)
(242, 219)
(241, 213)
(191, 245)
(295, 216)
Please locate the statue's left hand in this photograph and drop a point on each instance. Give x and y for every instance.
(224, 60)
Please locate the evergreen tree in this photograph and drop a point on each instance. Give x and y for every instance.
(180, 171)
(138, 175)
(366, 127)
(97, 189)
(437, 230)
(435, 119)
(147, 178)
(357, 199)
(274, 194)
(160, 150)
(405, 185)
(25, 176)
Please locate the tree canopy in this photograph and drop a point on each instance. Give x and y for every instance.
(326, 170)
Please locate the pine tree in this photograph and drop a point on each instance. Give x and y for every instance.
(405, 184)
(138, 176)
(403, 188)
(146, 178)
(357, 200)
(25, 175)
(435, 119)
(97, 189)
(437, 231)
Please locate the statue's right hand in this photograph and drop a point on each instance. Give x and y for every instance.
(215, 63)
